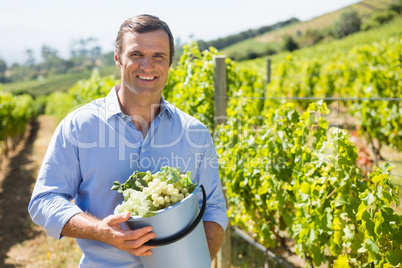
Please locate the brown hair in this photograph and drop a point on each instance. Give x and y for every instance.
(143, 24)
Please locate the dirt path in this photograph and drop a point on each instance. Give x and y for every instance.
(16, 176)
(22, 243)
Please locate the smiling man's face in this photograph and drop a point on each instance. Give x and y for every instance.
(144, 62)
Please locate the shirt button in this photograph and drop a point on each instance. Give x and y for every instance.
(143, 150)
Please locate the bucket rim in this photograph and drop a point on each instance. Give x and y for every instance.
(160, 211)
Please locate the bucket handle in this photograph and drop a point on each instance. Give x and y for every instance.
(185, 231)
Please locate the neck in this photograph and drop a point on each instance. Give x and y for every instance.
(142, 109)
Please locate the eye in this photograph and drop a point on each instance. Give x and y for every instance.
(136, 53)
(158, 55)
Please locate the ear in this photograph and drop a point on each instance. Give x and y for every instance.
(116, 60)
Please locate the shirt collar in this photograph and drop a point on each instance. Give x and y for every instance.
(165, 108)
(112, 106)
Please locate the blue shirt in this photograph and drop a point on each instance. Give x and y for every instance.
(96, 145)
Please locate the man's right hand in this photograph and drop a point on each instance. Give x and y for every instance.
(108, 230)
(131, 241)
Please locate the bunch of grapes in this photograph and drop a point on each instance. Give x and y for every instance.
(146, 193)
(164, 195)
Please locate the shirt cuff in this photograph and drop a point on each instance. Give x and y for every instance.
(218, 215)
(52, 211)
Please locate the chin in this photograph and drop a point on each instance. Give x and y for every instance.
(146, 93)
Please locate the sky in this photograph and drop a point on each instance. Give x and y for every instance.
(29, 24)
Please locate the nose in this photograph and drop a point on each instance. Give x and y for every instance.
(146, 64)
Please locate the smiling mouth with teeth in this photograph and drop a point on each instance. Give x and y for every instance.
(148, 78)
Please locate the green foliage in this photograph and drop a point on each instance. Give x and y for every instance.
(7, 105)
(235, 38)
(313, 36)
(248, 50)
(15, 113)
(24, 110)
(190, 86)
(304, 38)
(84, 91)
(290, 44)
(366, 71)
(42, 86)
(396, 6)
(349, 22)
(292, 176)
(379, 77)
(378, 18)
(3, 68)
(192, 80)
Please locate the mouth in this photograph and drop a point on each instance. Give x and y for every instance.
(146, 78)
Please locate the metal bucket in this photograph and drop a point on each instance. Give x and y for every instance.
(179, 237)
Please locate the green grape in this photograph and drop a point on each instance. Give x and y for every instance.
(158, 193)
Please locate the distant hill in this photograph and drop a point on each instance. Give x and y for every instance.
(227, 41)
(305, 32)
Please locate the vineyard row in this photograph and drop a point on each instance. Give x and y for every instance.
(286, 171)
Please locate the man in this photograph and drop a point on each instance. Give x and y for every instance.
(133, 128)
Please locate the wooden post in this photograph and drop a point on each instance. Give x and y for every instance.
(266, 264)
(220, 87)
(223, 257)
(268, 71)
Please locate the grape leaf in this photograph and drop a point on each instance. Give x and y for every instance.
(372, 246)
(394, 257)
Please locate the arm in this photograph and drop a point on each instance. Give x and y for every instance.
(215, 218)
(214, 234)
(108, 230)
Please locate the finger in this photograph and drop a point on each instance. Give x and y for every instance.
(144, 232)
(142, 251)
(119, 218)
(139, 243)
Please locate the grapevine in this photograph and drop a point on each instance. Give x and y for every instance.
(296, 177)
(15, 114)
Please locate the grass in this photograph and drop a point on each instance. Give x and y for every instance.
(393, 28)
(36, 88)
(274, 39)
(45, 252)
(57, 82)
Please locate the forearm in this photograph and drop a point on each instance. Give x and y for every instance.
(87, 226)
(214, 234)
(108, 230)
(82, 225)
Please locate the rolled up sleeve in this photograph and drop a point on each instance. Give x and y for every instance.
(52, 211)
(208, 176)
(57, 184)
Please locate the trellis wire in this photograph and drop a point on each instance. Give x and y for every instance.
(316, 98)
(260, 247)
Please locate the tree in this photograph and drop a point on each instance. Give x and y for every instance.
(378, 18)
(349, 22)
(396, 6)
(48, 52)
(3, 68)
(31, 59)
(81, 47)
(290, 44)
(53, 63)
(85, 53)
